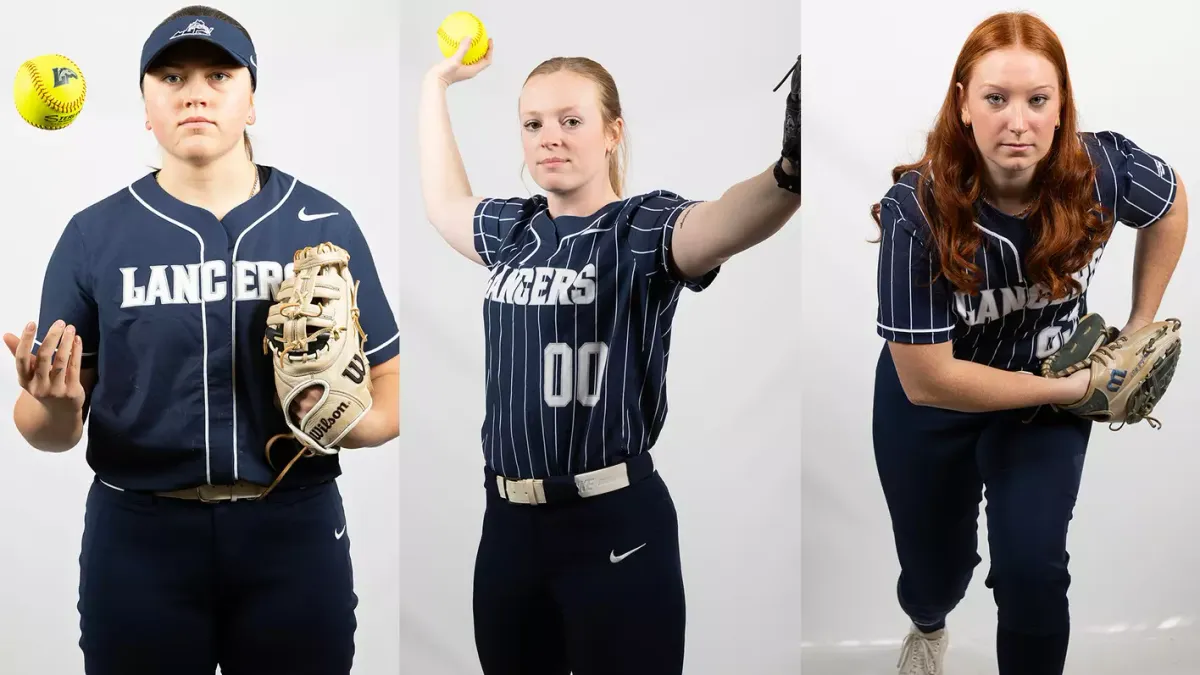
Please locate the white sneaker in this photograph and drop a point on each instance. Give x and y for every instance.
(923, 653)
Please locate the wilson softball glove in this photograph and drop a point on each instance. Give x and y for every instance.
(315, 339)
(1129, 373)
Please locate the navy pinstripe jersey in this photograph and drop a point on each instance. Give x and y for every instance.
(1010, 324)
(171, 306)
(577, 317)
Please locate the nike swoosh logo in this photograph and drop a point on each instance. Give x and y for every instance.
(614, 558)
(337, 534)
(313, 216)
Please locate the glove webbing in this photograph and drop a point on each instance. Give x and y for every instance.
(300, 315)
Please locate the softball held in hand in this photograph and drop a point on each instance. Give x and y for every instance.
(49, 91)
(459, 26)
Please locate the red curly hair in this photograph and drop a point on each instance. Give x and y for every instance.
(1066, 222)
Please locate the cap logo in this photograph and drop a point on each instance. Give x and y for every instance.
(196, 27)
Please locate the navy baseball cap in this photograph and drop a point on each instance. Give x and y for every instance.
(220, 33)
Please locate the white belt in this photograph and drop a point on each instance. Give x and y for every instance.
(590, 484)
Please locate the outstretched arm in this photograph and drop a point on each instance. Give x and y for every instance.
(710, 233)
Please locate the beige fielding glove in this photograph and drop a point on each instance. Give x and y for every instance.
(1130, 373)
(315, 339)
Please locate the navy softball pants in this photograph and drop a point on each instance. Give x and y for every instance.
(176, 586)
(587, 587)
(934, 465)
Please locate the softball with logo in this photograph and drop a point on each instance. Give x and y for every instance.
(49, 91)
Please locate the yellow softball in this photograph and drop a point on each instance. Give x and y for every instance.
(458, 26)
(49, 91)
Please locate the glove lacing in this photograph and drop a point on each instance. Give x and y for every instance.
(789, 74)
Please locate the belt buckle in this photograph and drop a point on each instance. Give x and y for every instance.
(602, 481)
(525, 491)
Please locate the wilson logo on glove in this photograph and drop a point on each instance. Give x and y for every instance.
(315, 339)
(1115, 380)
(356, 371)
(327, 423)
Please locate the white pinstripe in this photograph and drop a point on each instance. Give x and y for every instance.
(501, 237)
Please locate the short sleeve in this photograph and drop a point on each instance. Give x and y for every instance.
(1136, 186)
(67, 294)
(653, 220)
(913, 307)
(496, 221)
(375, 313)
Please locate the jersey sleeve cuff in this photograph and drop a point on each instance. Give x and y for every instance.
(479, 236)
(383, 351)
(1146, 206)
(915, 336)
(695, 284)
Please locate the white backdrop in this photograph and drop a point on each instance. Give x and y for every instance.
(700, 118)
(324, 115)
(872, 89)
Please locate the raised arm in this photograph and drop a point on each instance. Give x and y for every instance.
(445, 190)
(750, 212)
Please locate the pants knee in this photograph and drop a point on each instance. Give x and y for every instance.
(1031, 597)
(928, 596)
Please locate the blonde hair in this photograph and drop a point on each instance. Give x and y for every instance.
(610, 107)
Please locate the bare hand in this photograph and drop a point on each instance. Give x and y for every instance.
(1078, 385)
(302, 404)
(452, 69)
(52, 375)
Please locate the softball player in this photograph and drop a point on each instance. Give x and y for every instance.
(151, 328)
(955, 410)
(580, 537)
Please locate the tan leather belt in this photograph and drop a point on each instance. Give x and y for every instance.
(218, 493)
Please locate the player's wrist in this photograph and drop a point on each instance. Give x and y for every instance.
(1070, 390)
(362, 434)
(1135, 322)
(435, 79)
(789, 181)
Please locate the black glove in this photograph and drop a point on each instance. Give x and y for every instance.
(791, 132)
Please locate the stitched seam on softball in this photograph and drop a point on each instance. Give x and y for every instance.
(44, 94)
(475, 38)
